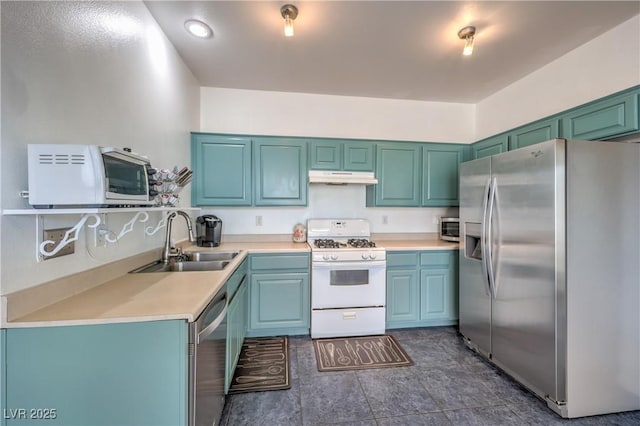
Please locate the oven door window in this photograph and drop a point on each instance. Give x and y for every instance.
(124, 177)
(349, 277)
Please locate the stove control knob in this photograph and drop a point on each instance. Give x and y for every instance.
(372, 256)
(325, 257)
(365, 256)
(334, 257)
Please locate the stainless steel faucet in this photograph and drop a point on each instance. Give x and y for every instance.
(167, 253)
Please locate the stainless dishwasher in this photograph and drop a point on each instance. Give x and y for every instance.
(207, 350)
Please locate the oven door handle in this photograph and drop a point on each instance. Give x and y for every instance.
(343, 266)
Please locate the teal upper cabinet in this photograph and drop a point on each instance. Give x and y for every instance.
(398, 173)
(280, 166)
(539, 131)
(490, 146)
(222, 170)
(612, 116)
(440, 165)
(331, 154)
(358, 156)
(326, 155)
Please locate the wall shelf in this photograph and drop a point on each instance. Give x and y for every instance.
(92, 218)
(46, 212)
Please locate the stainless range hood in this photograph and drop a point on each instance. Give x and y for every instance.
(341, 178)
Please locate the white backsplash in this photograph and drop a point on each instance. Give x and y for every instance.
(329, 201)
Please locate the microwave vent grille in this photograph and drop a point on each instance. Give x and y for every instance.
(63, 159)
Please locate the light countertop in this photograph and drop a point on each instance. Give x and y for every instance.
(148, 296)
(170, 295)
(403, 245)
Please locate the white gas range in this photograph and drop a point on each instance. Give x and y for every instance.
(348, 279)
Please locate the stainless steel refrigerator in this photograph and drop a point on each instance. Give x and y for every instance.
(549, 270)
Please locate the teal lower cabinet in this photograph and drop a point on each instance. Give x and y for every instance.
(3, 374)
(107, 374)
(605, 118)
(422, 288)
(279, 294)
(237, 319)
(402, 295)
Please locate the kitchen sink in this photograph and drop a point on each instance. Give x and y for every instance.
(183, 266)
(206, 256)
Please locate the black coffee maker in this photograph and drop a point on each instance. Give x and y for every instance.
(209, 230)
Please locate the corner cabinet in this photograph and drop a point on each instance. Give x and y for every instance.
(279, 294)
(222, 170)
(440, 170)
(422, 288)
(280, 166)
(416, 175)
(107, 374)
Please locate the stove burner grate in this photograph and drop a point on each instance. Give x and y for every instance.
(353, 242)
(327, 243)
(361, 243)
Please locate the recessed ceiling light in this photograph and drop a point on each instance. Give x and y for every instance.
(198, 28)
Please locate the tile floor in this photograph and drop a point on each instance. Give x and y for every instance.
(448, 385)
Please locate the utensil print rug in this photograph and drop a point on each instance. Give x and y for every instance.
(355, 353)
(263, 365)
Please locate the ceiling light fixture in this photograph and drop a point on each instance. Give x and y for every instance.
(468, 35)
(198, 28)
(289, 13)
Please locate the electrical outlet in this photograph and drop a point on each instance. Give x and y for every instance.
(385, 220)
(258, 220)
(56, 235)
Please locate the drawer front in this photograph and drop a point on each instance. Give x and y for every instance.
(409, 259)
(279, 261)
(435, 259)
(347, 322)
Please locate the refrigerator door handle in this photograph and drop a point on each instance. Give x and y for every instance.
(484, 236)
(489, 240)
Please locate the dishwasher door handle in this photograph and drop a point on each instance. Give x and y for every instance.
(210, 328)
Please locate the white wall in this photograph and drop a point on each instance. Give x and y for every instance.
(297, 114)
(300, 114)
(329, 201)
(604, 65)
(85, 72)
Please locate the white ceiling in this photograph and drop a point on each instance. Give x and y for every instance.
(382, 49)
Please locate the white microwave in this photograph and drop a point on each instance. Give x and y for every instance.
(66, 175)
